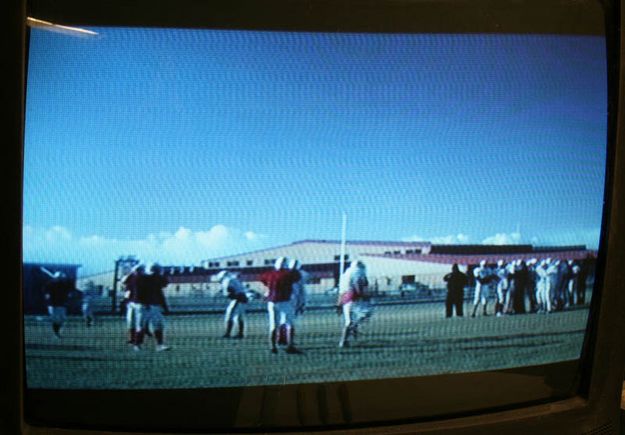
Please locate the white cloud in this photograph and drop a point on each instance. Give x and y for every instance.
(97, 253)
(463, 238)
(251, 235)
(57, 233)
(414, 238)
(503, 239)
(588, 237)
(452, 239)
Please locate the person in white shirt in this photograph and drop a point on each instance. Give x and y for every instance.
(237, 294)
(485, 278)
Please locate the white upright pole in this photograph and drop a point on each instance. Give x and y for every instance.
(342, 259)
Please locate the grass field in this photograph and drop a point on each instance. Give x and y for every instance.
(401, 340)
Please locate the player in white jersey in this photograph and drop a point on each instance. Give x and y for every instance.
(298, 297)
(484, 279)
(237, 293)
(542, 287)
(502, 273)
(89, 291)
(553, 280)
(353, 300)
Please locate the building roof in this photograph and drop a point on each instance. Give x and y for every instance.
(328, 242)
(365, 242)
(491, 258)
(36, 264)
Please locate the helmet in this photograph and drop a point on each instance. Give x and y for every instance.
(220, 276)
(139, 267)
(482, 263)
(499, 263)
(294, 264)
(153, 268)
(359, 264)
(280, 263)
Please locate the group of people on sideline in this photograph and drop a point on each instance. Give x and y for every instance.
(537, 286)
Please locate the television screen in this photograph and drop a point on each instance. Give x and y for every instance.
(226, 210)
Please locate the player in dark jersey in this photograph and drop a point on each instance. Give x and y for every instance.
(153, 304)
(56, 294)
(134, 321)
(456, 282)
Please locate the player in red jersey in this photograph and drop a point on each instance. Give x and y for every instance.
(153, 304)
(298, 299)
(279, 283)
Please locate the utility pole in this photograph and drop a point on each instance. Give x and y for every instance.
(114, 291)
(342, 254)
(122, 263)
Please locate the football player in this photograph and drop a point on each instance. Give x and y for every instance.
(134, 313)
(279, 283)
(235, 312)
(484, 277)
(153, 305)
(56, 294)
(353, 300)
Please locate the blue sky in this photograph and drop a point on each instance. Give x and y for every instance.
(183, 145)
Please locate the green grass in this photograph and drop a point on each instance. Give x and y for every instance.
(408, 340)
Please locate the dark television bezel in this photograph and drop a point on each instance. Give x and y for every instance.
(596, 404)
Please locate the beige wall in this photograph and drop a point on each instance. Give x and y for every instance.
(104, 279)
(313, 253)
(388, 272)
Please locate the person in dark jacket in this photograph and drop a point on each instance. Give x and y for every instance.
(152, 299)
(134, 309)
(518, 284)
(56, 293)
(456, 282)
(585, 270)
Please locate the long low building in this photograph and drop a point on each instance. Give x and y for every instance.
(389, 264)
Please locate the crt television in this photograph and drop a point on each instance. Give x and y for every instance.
(496, 119)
